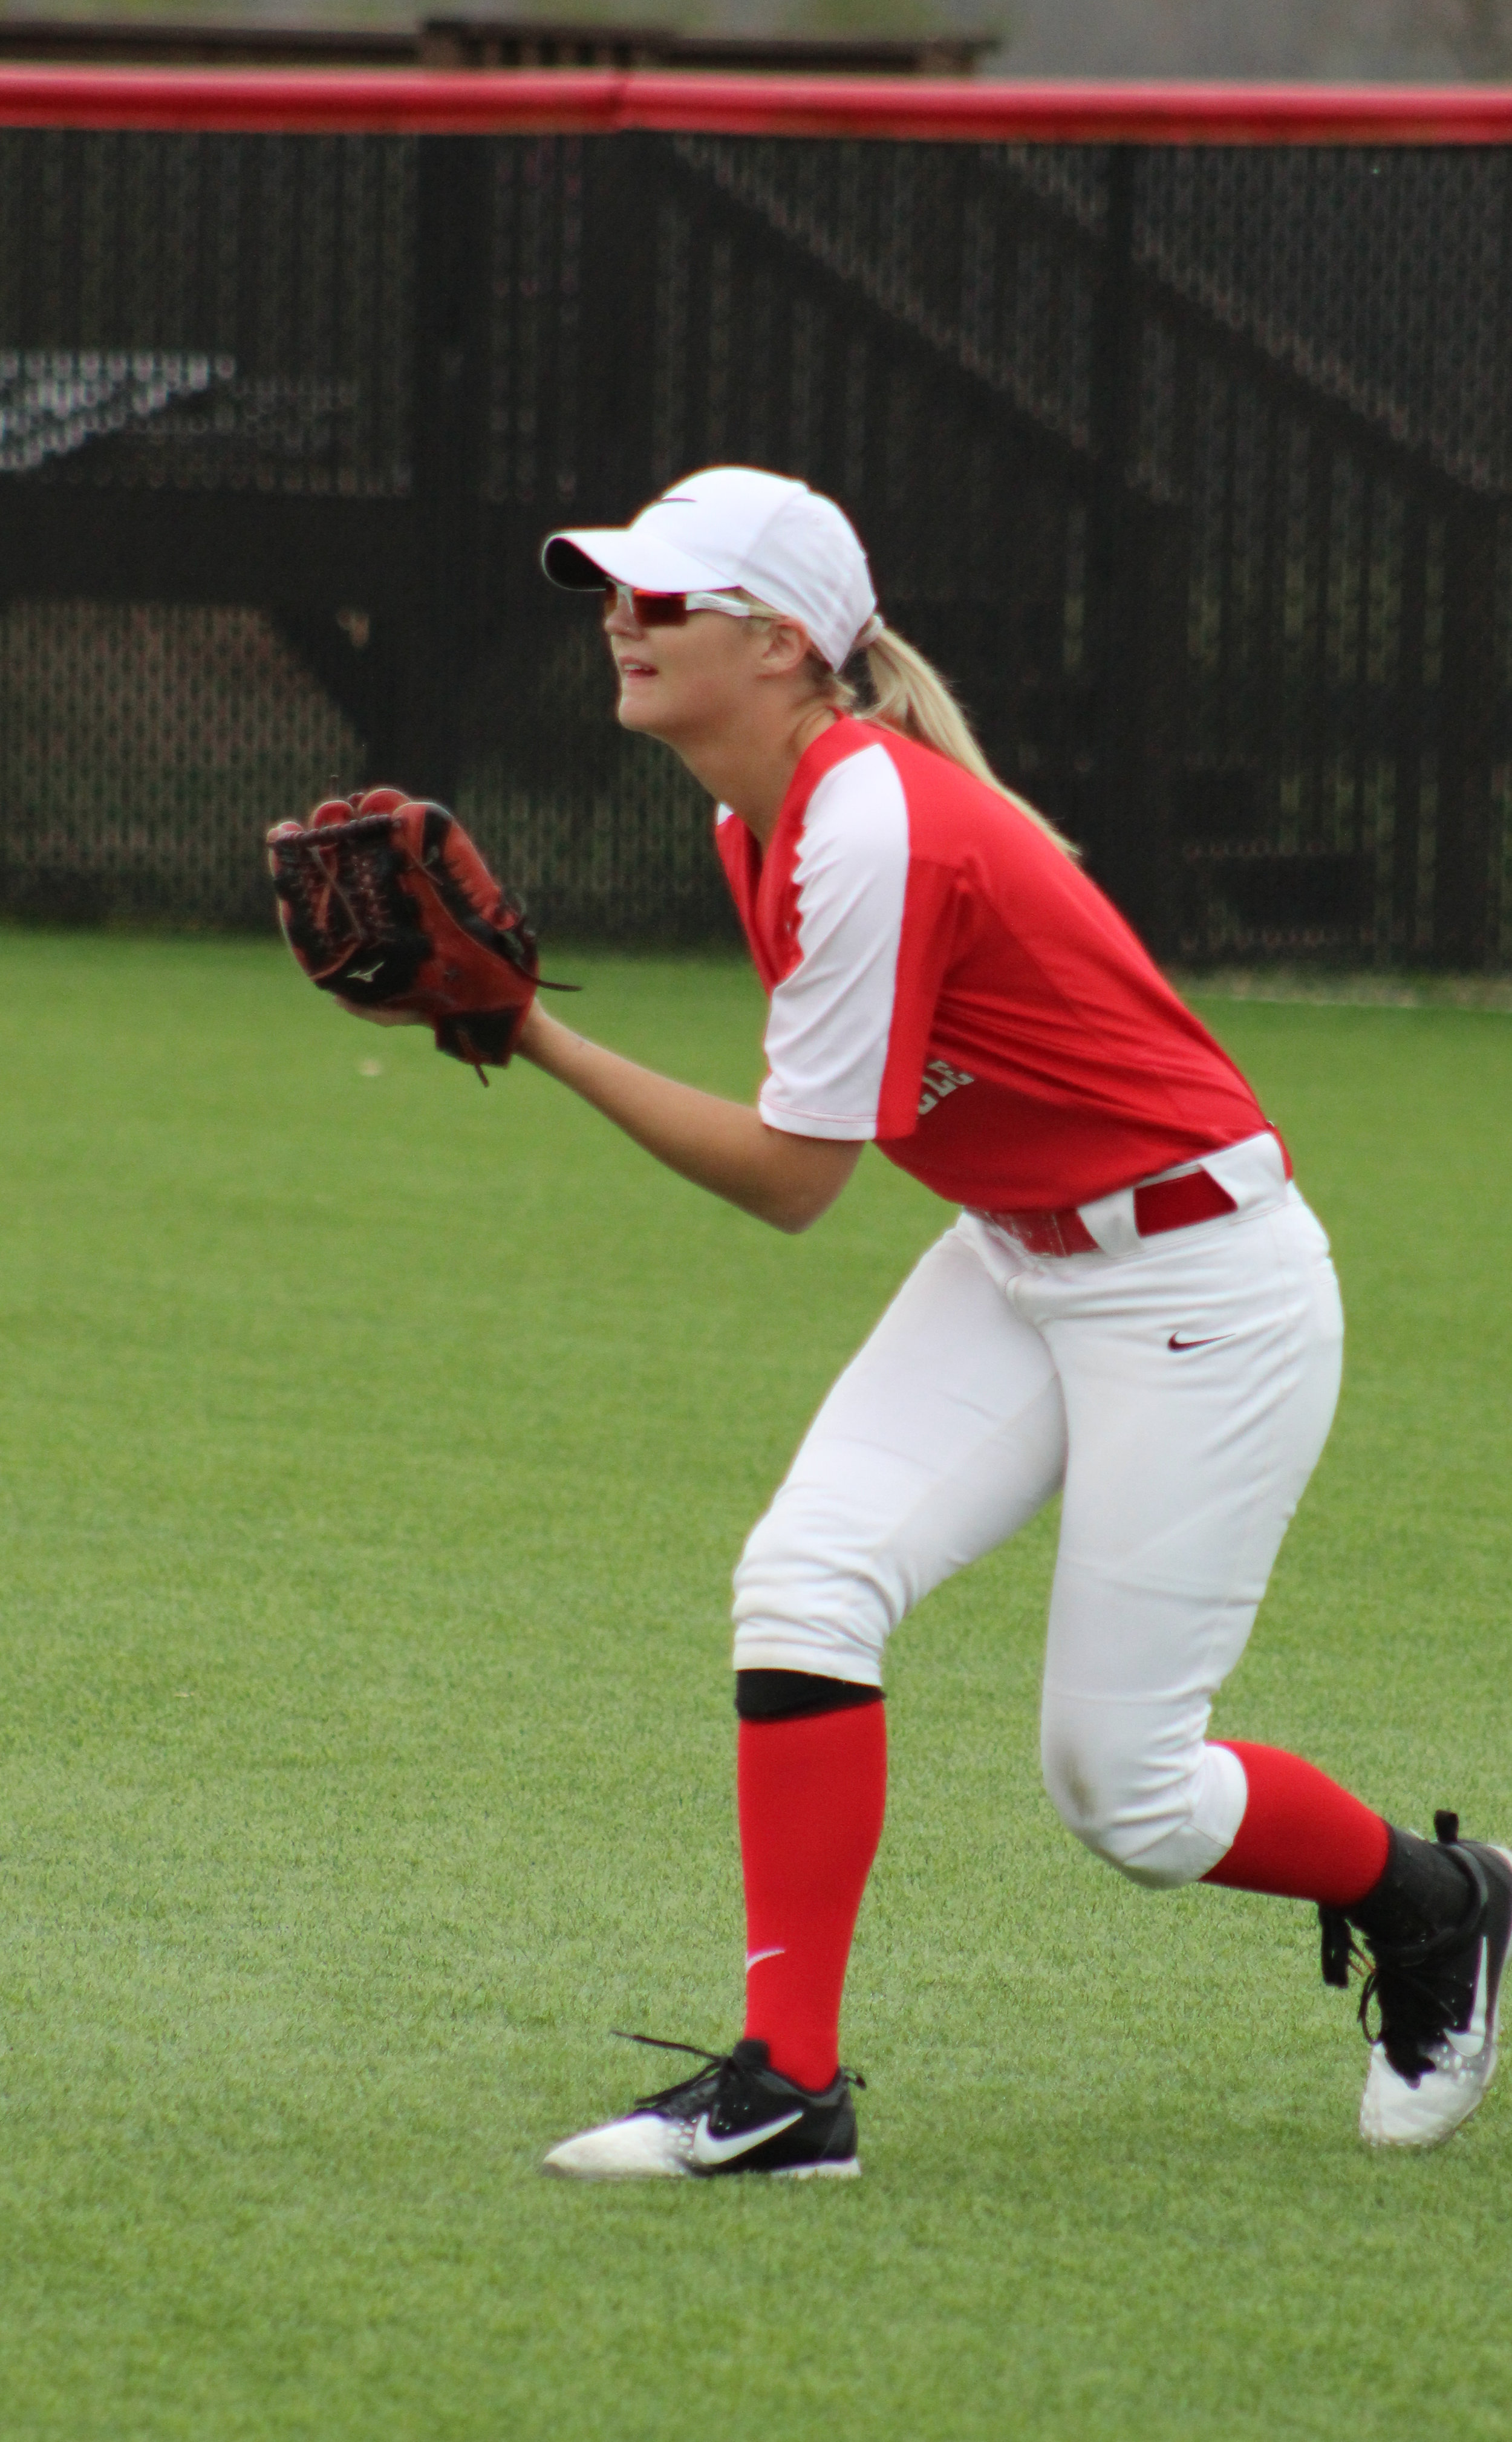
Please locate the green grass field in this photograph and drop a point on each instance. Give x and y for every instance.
(376, 1452)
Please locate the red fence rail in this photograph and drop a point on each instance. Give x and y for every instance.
(558, 102)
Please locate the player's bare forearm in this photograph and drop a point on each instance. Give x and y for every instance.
(721, 1145)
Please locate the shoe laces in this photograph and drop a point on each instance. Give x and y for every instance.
(704, 2086)
(1415, 1994)
(688, 2090)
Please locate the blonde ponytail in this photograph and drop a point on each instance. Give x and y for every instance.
(909, 695)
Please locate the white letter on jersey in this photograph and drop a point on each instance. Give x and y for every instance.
(939, 1080)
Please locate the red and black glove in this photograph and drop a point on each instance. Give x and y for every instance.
(386, 905)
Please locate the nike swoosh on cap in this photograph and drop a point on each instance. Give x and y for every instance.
(711, 2150)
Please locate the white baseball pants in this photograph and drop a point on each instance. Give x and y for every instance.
(1176, 1388)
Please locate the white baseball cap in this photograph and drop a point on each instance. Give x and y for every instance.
(730, 526)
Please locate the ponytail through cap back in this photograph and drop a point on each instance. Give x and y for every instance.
(909, 695)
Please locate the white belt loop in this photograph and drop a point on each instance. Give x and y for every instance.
(1110, 1220)
(1254, 1172)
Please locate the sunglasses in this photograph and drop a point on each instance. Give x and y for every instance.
(671, 610)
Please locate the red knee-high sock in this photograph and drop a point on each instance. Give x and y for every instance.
(811, 1799)
(1303, 1837)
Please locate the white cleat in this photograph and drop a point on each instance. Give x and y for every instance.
(1440, 2003)
(737, 2114)
(1395, 2112)
(644, 2147)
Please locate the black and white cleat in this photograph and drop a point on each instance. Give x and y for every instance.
(734, 2115)
(1434, 2047)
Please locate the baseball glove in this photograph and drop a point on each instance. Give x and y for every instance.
(386, 905)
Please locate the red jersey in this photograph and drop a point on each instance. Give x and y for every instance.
(944, 980)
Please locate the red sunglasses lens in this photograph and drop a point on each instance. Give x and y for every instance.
(651, 609)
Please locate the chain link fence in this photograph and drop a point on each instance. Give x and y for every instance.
(1192, 466)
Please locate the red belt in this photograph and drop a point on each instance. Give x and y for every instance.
(1165, 1204)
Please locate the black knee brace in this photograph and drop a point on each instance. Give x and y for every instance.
(789, 1695)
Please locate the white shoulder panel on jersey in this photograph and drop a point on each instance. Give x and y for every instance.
(826, 1035)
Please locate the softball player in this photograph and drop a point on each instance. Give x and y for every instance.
(1135, 1308)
